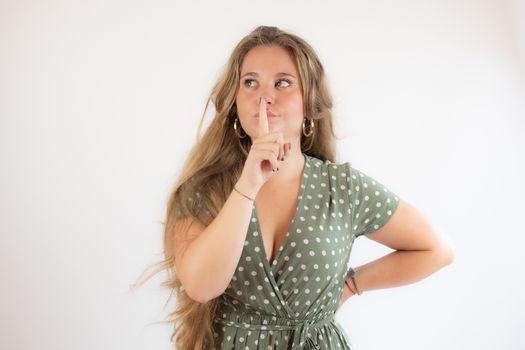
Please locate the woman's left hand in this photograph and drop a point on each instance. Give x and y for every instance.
(347, 293)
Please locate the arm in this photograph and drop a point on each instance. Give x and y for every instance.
(420, 251)
(206, 264)
(206, 256)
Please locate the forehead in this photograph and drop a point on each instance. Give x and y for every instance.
(268, 59)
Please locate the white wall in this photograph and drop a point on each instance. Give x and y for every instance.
(100, 101)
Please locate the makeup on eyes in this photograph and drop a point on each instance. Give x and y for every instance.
(286, 80)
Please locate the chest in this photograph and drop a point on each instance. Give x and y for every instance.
(276, 208)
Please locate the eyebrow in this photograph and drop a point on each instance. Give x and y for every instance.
(280, 74)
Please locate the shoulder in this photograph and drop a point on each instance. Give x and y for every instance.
(334, 177)
(329, 168)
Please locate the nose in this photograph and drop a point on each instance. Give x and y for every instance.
(268, 99)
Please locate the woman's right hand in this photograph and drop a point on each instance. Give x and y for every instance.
(264, 156)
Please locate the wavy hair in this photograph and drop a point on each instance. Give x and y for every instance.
(215, 163)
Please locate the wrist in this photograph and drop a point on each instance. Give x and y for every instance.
(351, 281)
(247, 189)
(350, 286)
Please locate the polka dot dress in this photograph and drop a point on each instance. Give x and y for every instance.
(290, 303)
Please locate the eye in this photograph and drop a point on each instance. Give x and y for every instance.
(287, 81)
(246, 81)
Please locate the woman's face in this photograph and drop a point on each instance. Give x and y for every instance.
(270, 72)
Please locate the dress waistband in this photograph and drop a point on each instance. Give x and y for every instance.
(254, 321)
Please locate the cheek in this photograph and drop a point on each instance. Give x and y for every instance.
(241, 103)
(242, 110)
(296, 106)
(244, 94)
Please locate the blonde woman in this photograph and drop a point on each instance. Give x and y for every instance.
(260, 225)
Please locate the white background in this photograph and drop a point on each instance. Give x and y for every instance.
(100, 101)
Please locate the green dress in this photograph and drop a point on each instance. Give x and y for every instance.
(290, 303)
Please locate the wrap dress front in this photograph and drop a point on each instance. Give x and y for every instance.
(290, 303)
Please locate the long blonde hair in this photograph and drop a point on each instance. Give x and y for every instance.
(215, 163)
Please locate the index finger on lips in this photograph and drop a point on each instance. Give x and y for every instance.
(263, 118)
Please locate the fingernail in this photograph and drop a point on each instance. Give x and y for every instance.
(282, 158)
(277, 169)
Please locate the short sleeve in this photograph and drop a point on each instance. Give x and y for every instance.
(372, 203)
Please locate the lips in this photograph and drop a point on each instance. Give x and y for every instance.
(268, 113)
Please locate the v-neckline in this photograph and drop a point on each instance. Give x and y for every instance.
(291, 226)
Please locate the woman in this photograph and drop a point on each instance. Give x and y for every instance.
(260, 225)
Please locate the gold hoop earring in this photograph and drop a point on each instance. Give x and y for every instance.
(235, 128)
(311, 127)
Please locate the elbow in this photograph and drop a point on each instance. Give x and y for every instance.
(449, 253)
(445, 250)
(200, 294)
(200, 300)
(192, 286)
(196, 295)
(450, 256)
(446, 255)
